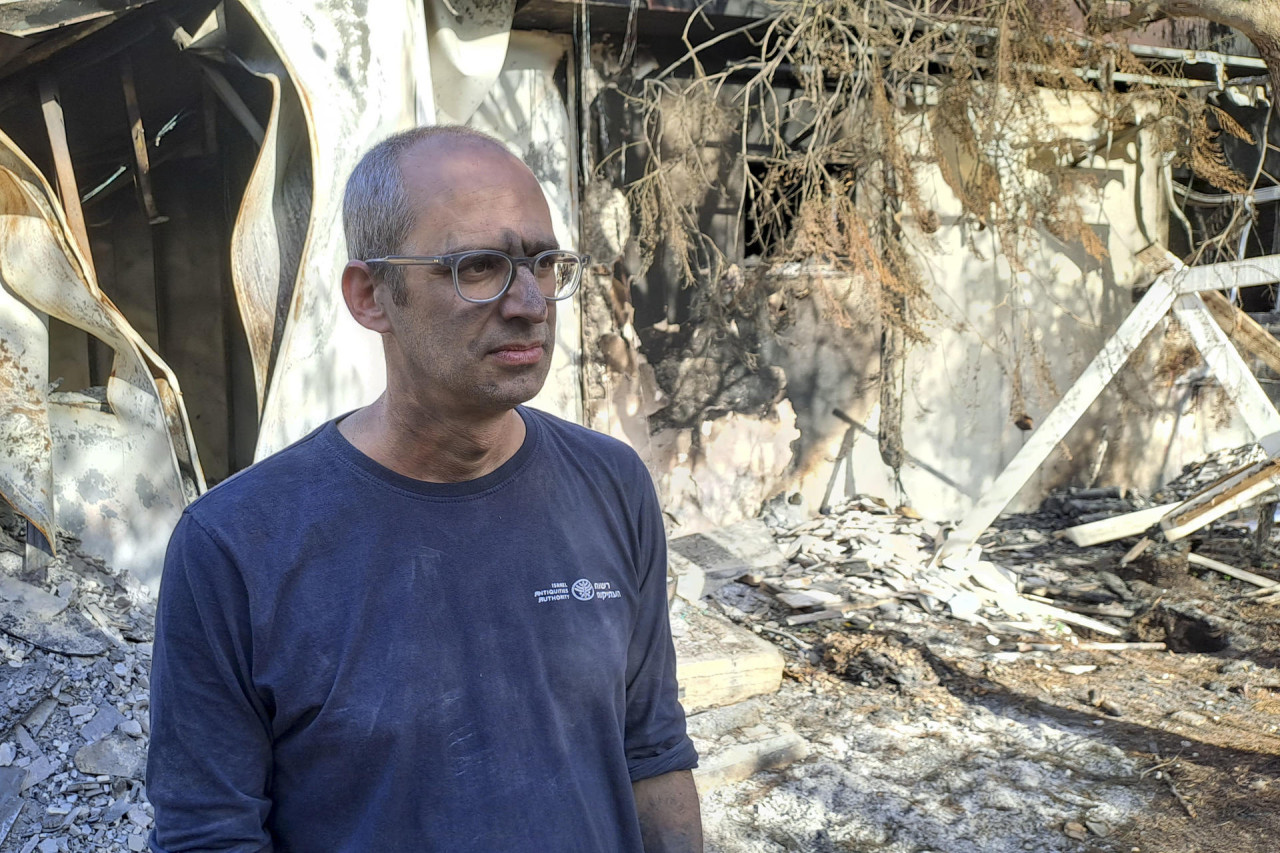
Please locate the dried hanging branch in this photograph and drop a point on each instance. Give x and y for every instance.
(850, 96)
(834, 112)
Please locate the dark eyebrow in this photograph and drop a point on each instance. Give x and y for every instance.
(538, 246)
(509, 242)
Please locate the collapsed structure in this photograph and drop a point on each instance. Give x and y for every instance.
(171, 246)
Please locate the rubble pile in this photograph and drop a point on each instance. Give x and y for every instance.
(926, 707)
(75, 652)
(859, 564)
(843, 683)
(867, 564)
(1198, 476)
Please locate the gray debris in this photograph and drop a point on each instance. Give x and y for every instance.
(115, 754)
(103, 723)
(73, 728)
(10, 802)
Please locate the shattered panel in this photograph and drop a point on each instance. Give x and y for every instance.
(468, 41)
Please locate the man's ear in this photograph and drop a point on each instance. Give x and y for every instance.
(360, 290)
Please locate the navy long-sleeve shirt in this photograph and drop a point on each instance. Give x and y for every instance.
(347, 659)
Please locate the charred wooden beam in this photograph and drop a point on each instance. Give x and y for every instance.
(68, 190)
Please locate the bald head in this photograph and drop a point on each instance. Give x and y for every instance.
(377, 212)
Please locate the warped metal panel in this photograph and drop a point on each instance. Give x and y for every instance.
(41, 266)
(266, 241)
(359, 77)
(114, 483)
(468, 44)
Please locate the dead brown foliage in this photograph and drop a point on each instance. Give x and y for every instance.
(875, 90)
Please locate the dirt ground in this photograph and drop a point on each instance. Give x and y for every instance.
(929, 734)
(925, 734)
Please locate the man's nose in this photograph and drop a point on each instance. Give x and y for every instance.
(523, 297)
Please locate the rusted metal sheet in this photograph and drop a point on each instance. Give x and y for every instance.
(29, 17)
(266, 243)
(137, 465)
(337, 56)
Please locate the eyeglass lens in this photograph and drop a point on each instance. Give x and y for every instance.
(484, 275)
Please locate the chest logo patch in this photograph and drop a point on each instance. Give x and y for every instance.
(583, 589)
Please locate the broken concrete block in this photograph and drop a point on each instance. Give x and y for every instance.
(39, 715)
(801, 599)
(37, 771)
(115, 755)
(690, 580)
(730, 552)
(715, 723)
(718, 663)
(741, 761)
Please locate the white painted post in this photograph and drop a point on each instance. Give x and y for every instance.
(1235, 377)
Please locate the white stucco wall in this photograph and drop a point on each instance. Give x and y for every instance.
(997, 330)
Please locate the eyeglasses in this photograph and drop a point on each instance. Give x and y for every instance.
(484, 275)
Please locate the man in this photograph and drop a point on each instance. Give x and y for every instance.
(438, 623)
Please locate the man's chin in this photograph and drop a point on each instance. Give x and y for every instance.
(514, 390)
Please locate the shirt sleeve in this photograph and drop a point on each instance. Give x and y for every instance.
(655, 741)
(209, 762)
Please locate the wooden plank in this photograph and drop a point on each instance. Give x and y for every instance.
(1097, 609)
(1047, 612)
(1235, 377)
(1230, 571)
(1228, 495)
(1246, 333)
(1119, 647)
(33, 17)
(1154, 304)
(51, 45)
(841, 613)
(219, 84)
(141, 158)
(1249, 272)
(1111, 529)
(233, 102)
(742, 761)
(68, 190)
(1135, 552)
